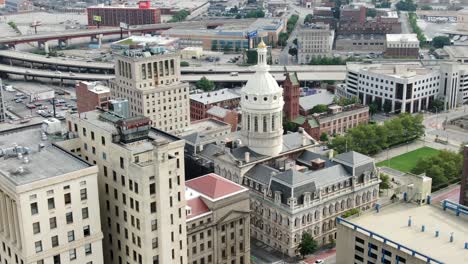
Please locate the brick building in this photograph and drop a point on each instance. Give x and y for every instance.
(201, 102)
(291, 96)
(111, 16)
(229, 116)
(336, 121)
(353, 14)
(90, 95)
(402, 46)
(464, 180)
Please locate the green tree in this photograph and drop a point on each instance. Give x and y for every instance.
(252, 56)
(308, 18)
(416, 29)
(291, 23)
(184, 64)
(204, 84)
(289, 126)
(441, 41)
(384, 4)
(426, 7)
(179, 16)
(385, 182)
(255, 14)
(374, 108)
(436, 105)
(283, 39)
(320, 108)
(292, 51)
(324, 137)
(406, 5)
(387, 106)
(307, 245)
(371, 12)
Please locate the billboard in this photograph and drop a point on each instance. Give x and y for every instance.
(252, 34)
(97, 18)
(144, 4)
(123, 25)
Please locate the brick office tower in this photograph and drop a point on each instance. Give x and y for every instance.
(464, 180)
(291, 96)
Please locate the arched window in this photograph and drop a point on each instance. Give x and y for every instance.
(273, 122)
(264, 124)
(256, 123)
(248, 122)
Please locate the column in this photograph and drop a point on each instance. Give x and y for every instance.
(16, 224)
(411, 106)
(419, 105)
(2, 213)
(403, 100)
(427, 102)
(8, 216)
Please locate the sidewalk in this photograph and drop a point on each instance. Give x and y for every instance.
(321, 255)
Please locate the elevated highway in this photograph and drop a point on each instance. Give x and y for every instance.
(57, 75)
(66, 35)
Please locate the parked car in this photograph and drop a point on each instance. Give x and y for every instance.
(30, 106)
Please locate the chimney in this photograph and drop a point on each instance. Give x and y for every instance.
(317, 164)
(247, 156)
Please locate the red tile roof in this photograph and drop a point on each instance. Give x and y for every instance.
(213, 186)
(197, 206)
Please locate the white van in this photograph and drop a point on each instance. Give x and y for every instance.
(234, 74)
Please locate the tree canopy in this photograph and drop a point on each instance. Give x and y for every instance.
(184, 64)
(441, 41)
(292, 23)
(371, 12)
(308, 245)
(426, 7)
(308, 18)
(370, 139)
(406, 5)
(283, 39)
(320, 108)
(444, 168)
(324, 136)
(205, 84)
(385, 182)
(179, 16)
(255, 14)
(252, 56)
(343, 101)
(416, 29)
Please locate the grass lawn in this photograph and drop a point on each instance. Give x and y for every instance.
(406, 162)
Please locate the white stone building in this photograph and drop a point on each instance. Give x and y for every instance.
(292, 189)
(314, 40)
(150, 80)
(48, 212)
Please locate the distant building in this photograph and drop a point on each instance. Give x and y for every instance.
(457, 53)
(336, 121)
(464, 180)
(291, 95)
(112, 16)
(403, 233)
(18, 5)
(360, 42)
(144, 41)
(353, 14)
(218, 220)
(231, 36)
(402, 46)
(48, 202)
(192, 53)
(90, 95)
(226, 115)
(150, 80)
(201, 102)
(314, 40)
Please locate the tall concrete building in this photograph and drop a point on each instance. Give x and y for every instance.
(314, 40)
(464, 178)
(48, 212)
(141, 186)
(150, 80)
(218, 221)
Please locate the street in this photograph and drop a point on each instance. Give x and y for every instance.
(405, 25)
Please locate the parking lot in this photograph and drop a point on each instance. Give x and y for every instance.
(20, 107)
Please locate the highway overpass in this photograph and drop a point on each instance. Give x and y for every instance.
(70, 34)
(28, 73)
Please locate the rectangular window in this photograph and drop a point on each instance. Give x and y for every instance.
(38, 246)
(69, 217)
(34, 209)
(84, 213)
(122, 165)
(67, 198)
(83, 194)
(86, 231)
(88, 249)
(71, 236)
(53, 222)
(51, 203)
(36, 228)
(55, 241)
(72, 253)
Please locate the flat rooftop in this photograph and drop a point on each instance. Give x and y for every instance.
(392, 223)
(205, 126)
(399, 70)
(457, 51)
(97, 87)
(402, 38)
(50, 161)
(361, 36)
(216, 96)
